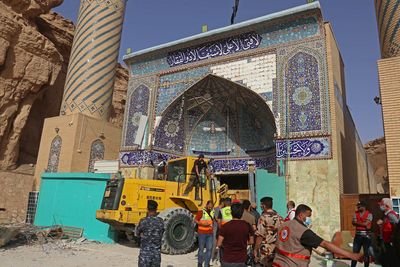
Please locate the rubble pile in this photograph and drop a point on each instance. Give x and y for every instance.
(51, 238)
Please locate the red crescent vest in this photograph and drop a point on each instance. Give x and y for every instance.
(289, 250)
(362, 219)
(387, 227)
(288, 215)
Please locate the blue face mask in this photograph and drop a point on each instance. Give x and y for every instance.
(307, 222)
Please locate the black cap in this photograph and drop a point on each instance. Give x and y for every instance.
(152, 205)
(201, 156)
(362, 204)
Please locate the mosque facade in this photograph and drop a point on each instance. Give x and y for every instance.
(269, 90)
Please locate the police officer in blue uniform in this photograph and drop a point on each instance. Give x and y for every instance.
(150, 230)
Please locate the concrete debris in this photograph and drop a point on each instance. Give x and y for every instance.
(6, 234)
(50, 238)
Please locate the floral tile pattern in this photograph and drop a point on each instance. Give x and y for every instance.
(54, 155)
(137, 107)
(96, 153)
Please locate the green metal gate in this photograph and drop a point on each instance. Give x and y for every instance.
(271, 185)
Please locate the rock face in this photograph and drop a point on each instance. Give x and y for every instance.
(34, 51)
(376, 153)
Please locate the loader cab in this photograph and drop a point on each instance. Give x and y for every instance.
(177, 170)
(181, 169)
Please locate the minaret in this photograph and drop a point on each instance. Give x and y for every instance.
(82, 134)
(94, 57)
(388, 18)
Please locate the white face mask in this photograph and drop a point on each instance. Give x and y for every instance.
(382, 207)
(307, 222)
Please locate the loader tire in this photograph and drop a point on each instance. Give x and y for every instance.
(179, 235)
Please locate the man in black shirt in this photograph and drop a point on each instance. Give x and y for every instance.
(199, 170)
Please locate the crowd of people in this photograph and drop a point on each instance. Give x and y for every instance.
(387, 244)
(246, 238)
(234, 234)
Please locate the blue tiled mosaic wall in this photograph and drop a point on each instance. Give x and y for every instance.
(285, 65)
(302, 89)
(137, 107)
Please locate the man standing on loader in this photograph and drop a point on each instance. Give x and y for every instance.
(200, 171)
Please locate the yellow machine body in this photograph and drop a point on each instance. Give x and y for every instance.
(130, 199)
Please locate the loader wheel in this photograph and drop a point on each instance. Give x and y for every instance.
(179, 235)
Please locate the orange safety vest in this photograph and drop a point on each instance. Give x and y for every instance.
(206, 219)
(362, 219)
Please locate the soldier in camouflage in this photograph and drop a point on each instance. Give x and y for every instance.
(150, 230)
(266, 234)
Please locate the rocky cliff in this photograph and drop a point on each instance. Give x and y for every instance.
(35, 44)
(376, 153)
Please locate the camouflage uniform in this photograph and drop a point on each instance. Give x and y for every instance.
(151, 230)
(267, 228)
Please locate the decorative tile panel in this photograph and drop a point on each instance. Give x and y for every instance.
(219, 48)
(142, 158)
(210, 135)
(282, 32)
(303, 89)
(302, 95)
(292, 30)
(169, 134)
(54, 155)
(96, 153)
(310, 148)
(241, 164)
(138, 105)
(172, 85)
(256, 73)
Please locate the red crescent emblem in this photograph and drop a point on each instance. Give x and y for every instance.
(284, 234)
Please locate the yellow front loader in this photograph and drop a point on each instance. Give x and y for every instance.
(125, 202)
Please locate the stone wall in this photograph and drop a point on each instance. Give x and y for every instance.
(15, 188)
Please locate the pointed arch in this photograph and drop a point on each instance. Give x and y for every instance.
(216, 111)
(54, 154)
(96, 153)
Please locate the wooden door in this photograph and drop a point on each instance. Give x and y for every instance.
(348, 204)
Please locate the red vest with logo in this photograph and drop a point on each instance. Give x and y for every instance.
(289, 250)
(363, 219)
(388, 227)
(288, 215)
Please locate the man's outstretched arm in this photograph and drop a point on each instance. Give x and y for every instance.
(337, 250)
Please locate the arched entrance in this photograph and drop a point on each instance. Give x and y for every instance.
(220, 119)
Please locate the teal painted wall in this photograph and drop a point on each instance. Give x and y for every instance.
(271, 185)
(71, 199)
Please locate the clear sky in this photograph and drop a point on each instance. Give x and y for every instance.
(152, 22)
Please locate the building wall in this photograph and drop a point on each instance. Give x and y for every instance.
(352, 161)
(270, 67)
(15, 188)
(72, 199)
(77, 132)
(315, 183)
(389, 81)
(293, 64)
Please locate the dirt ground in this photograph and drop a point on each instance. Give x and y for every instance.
(64, 254)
